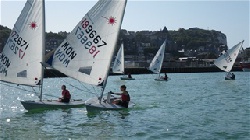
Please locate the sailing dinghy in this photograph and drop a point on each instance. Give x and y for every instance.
(156, 64)
(21, 58)
(227, 59)
(87, 51)
(118, 66)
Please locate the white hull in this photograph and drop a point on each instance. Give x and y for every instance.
(93, 104)
(161, 79)
(51, 104)
(126, 78)
(229, 78)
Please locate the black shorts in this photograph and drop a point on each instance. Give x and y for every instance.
(65, 100)
(123, 103)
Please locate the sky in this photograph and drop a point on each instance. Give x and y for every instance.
(228, 16)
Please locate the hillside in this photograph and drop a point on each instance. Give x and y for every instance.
(192, 42)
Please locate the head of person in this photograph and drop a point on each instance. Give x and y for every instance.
(123, 87)
(63, 87)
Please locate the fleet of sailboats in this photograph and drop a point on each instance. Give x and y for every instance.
(227, 59)
(85, 55)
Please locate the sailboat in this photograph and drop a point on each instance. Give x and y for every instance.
(118, 66)
(227, 59)
(20, 61)
(156, 64)
(86, 53)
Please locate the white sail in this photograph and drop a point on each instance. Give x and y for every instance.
(118, 66)
(155, 65)
(24, 50)
(87, 51)
(226, 60)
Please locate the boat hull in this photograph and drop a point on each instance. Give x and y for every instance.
(51, 104)
(229, 78)
(93, 104)
(126, 78)
(161, 79)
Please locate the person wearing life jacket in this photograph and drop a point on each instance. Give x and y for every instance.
(124, 99)
(66, 96)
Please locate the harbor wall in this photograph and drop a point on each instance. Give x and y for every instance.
(54, 73)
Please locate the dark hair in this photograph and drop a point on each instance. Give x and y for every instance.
(64, 86)
(123, 86)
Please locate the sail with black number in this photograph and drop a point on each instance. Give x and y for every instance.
(226, 61)
(87, 51)
(21, 56)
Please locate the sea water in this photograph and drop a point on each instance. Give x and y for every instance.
(189, 106)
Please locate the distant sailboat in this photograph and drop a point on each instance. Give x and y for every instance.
(118, 66)
(24, 52)
(156, 64)
(226, 61)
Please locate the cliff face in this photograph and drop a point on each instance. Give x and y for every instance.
(192, 42)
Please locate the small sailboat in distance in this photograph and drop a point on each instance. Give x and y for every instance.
(20, 61)
(227, 59)
(156, 64)
(118, 66)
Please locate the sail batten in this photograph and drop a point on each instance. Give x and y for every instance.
(227, 59)
(87, 51)
(155, 65)
(21, 55)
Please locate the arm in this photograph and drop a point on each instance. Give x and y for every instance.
(115, 93)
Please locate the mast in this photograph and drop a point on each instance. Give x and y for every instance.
(163, 53)
(106, 80)
(43, 47)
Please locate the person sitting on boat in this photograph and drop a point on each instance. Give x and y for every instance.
(125, 98)
(165, 77)
(129, 75)
(65, 95)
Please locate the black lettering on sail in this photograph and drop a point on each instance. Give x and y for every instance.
(66, 62)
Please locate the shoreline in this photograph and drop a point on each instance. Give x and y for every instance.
(49, 73)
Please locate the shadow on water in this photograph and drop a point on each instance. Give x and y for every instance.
(98, 113)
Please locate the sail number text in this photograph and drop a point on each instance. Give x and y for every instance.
(227, 57)
(17, 44)
(89, 37)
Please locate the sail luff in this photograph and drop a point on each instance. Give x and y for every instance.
(43, 47)
(162, 58)
(122, 59)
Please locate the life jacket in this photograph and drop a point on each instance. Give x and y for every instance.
(125, 97)
(67, 95)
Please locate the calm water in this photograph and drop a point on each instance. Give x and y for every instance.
(189, 106)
